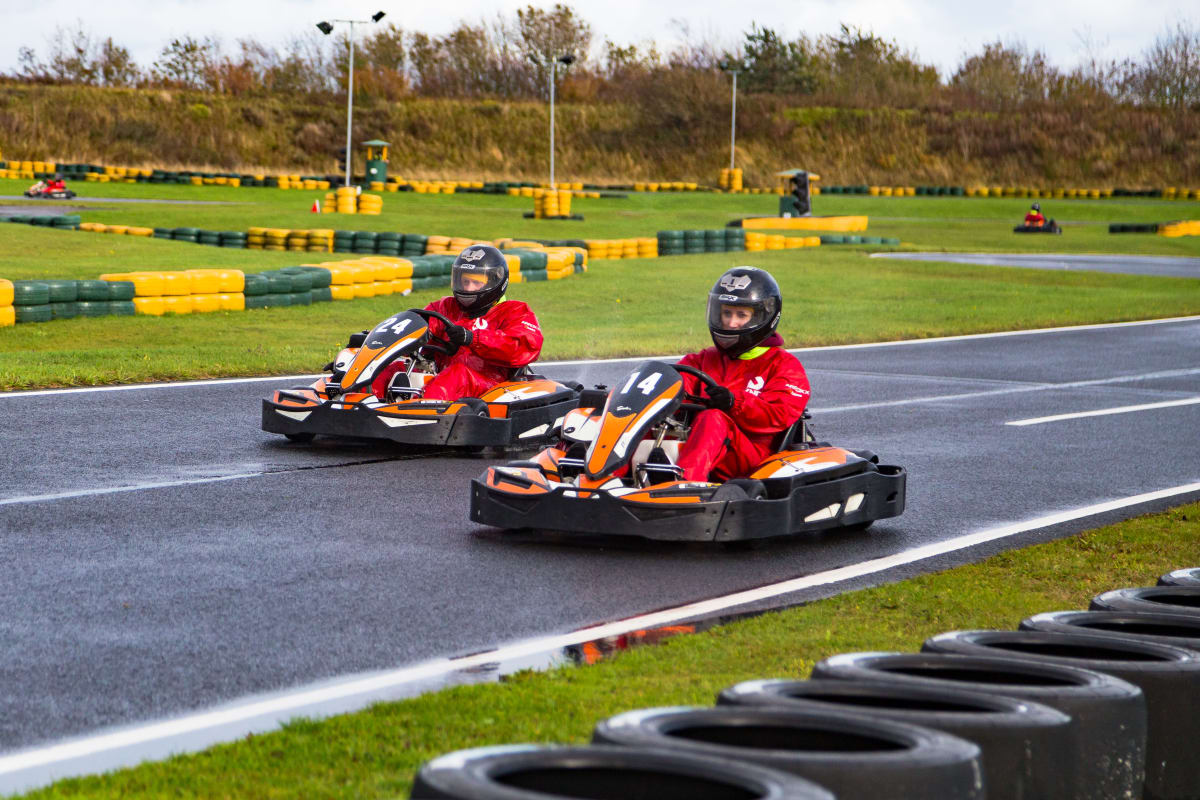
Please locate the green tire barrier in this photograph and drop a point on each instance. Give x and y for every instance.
(256, 286)
(30, 293)
(33, 313)
(62, 291)
(122, 308)
(120, 291)
(300, 298)
(322, 295)
(90, 291)
(93, 308)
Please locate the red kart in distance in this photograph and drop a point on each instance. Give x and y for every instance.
(53, 189)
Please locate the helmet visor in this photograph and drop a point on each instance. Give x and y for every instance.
(734, 315)
(469, 282)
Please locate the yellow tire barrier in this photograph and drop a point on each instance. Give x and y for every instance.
(145, 284)
(206, 303)
(8, 316)
(232, 302)
(178, 304)
(841, 224)
(342, 291)
(152, 306)
(6, 292)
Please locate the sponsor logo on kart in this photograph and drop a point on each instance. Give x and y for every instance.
(755, 385)
(619, 409)
(735, 283)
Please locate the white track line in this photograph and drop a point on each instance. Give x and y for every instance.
(295, 702)
(1106, 411)
(631, 359)
(137, 487)
(1025, 387)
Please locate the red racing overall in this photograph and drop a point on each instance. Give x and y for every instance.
(1034, 219)
(770, 391)
(503, 339)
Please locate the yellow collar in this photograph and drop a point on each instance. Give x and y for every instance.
(753, 353)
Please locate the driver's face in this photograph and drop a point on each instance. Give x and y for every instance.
(735, 317)
(473, 283)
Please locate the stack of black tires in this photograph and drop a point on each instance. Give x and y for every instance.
(1085, 705)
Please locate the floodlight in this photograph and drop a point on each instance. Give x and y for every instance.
(325, 28)
(567, 59)
(378, 15)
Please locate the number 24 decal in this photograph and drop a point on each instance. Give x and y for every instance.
(398, 327)
(647, 384)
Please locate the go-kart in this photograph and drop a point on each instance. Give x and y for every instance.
(525, 411)
(1050, 226)
(614, 472)
(41, 191)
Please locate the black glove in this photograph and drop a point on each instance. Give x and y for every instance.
(459, 336)
(719, 398)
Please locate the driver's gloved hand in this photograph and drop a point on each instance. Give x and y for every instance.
(459, 336)
(719, 398)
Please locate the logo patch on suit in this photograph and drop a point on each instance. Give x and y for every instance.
(754, 385)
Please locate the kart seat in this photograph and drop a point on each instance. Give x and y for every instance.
(795, 434)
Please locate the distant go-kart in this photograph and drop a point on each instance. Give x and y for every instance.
(613, 472)
(42, 191)
(525, 411)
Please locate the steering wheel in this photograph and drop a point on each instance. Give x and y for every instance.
(705, 379)
(436, 344)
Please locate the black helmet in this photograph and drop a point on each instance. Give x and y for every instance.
(1037, 207)
(753, 289)
(487, 269)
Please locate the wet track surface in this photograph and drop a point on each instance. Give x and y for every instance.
(1170, 266)
(162, 554)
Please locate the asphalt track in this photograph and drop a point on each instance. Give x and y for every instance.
(1170, 266)
(163, 555)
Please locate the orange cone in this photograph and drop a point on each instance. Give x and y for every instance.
(316, 209)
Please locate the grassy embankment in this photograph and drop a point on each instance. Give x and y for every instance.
(375, 753)
(671, 133)
(835, 294)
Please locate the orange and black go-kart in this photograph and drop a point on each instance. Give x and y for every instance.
(41, 191)
(613, 472)
(525, 411)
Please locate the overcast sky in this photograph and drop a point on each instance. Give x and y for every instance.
(940, 31)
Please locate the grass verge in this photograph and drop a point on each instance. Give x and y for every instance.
(833, 294)
(375, 753)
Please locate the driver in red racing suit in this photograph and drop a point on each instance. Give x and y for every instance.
(763, 390)
(491, 336)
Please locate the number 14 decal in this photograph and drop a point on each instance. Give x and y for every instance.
(647, 384)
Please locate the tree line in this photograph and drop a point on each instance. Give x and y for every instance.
(510, 58)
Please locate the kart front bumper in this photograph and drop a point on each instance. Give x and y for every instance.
(807, 508)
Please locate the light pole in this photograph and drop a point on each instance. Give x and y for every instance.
(326, 27)
(565, 59)
(732, 68)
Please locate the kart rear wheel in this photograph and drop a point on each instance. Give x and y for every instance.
(300, 437)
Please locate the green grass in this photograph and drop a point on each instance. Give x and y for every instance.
(375, 753)
(833, 294)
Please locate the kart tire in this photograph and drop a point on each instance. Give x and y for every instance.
(473, 405)
(740, 489)
(1181, 577)
(1169, 678)
(300, 437)
(536, 772)
(1022, 743)
(1169, 599)
(1107, 757)
(854, 756)
(1178, 630)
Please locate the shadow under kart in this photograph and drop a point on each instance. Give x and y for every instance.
(524, 412)
(613, 473)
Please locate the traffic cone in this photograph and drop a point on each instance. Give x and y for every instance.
(316, 209)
